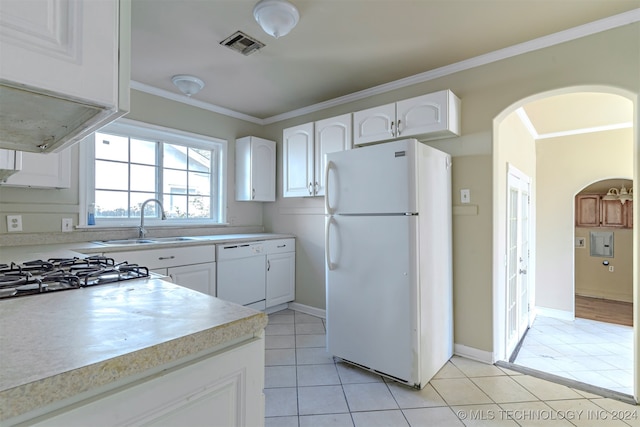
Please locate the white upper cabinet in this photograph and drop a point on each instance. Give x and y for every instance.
(304, 148)
(255, 169)
(297, 161)
(51, 170)
(333, 134)
(432, 116)
(64, 72)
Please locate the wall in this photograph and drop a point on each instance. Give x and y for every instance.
(565, 166)
(593, 279)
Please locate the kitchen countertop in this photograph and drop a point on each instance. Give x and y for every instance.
(70, 343)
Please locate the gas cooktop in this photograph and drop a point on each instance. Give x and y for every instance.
(60, 274)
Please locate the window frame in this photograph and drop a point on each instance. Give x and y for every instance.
(135, 129)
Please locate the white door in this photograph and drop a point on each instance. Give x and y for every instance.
(333, 134)
(281, 278)
(518, 238)
(422, 114)
(199, 277)
(374, 124)
(263, 170)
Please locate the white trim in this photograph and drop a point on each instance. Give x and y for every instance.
(580, 31)
(555, 313)
(473, 353)
(307, 309)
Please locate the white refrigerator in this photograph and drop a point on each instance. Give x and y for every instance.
(388, 259)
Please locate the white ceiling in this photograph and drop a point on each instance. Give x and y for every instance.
(341, 47)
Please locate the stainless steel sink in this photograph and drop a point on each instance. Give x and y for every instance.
(145, 241)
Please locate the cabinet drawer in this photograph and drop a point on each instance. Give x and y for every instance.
(167, 257)
(280, 246)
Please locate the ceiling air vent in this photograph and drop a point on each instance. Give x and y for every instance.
(240, 42)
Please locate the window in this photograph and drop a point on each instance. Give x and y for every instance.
(129, 163)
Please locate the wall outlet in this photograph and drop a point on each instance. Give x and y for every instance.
(465, 195)
(67, 224)
(611, 269)
(14, 223)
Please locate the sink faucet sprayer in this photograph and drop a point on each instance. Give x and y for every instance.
(142, 231)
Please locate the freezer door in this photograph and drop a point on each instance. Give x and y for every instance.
(373, 179)
(372, 293)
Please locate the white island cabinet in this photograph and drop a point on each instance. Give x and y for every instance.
(139, 352)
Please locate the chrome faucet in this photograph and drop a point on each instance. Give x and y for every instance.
(142, 232)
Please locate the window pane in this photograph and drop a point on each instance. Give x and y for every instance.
(199, 183)
(151, 210)
(199, 207)
(112, 176)
(174, 156)
(175, 182)
(199, 160)
(143, 178)
(143, 152)
(112, 147)
(111, 204)
(175, 206)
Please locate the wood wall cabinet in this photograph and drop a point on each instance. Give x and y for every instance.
(304, 149)
(593, 211)
(255, 169)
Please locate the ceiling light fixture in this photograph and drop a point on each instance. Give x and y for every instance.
(623, 195)
(189, 85)
(276, 17)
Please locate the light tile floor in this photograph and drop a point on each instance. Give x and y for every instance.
(588, 351)
(304, 387)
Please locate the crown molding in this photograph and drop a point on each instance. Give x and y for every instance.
(574, 33)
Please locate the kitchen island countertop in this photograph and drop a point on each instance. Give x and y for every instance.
(84, 341)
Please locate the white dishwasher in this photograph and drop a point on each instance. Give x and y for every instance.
(242, 273)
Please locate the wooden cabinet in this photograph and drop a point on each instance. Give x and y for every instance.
(193, 267)
(432, 116)
(255, 169)
(304, 149)
(52, 170)
(224, 388)
(588, 210)
(65, 70)
(281, 272)
(593, 211)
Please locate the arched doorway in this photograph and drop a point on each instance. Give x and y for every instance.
(555, 166)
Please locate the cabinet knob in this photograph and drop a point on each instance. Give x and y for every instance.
(521, 271)
(391, 130)
(253, 193)
(311, 189)
(398, 132)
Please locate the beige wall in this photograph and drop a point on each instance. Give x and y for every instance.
(565, 166)
(593, 279)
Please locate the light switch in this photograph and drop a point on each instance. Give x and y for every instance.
(465, 195)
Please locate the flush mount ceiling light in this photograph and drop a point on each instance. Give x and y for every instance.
(276, 17)
(189, 85)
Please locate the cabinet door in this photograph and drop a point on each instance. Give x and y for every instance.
(588, 210)
(613, 214)
(428, 114)
(297, 161)
(199, 277)
(263, 170)
(51, 170)
(281, 278)
(255, 169)
(331, 135)
(374, 124)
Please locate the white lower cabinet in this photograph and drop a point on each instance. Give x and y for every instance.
(193, 267)
(223, 389)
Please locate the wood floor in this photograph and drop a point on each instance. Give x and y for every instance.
(620, 313)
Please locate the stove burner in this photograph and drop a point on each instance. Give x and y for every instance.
(57, 274)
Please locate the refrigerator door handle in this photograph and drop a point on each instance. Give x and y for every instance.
(327, 207)
(327, 253)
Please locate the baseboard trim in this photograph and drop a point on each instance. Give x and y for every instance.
(307, 309)
(473, 353)
(555, 313)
